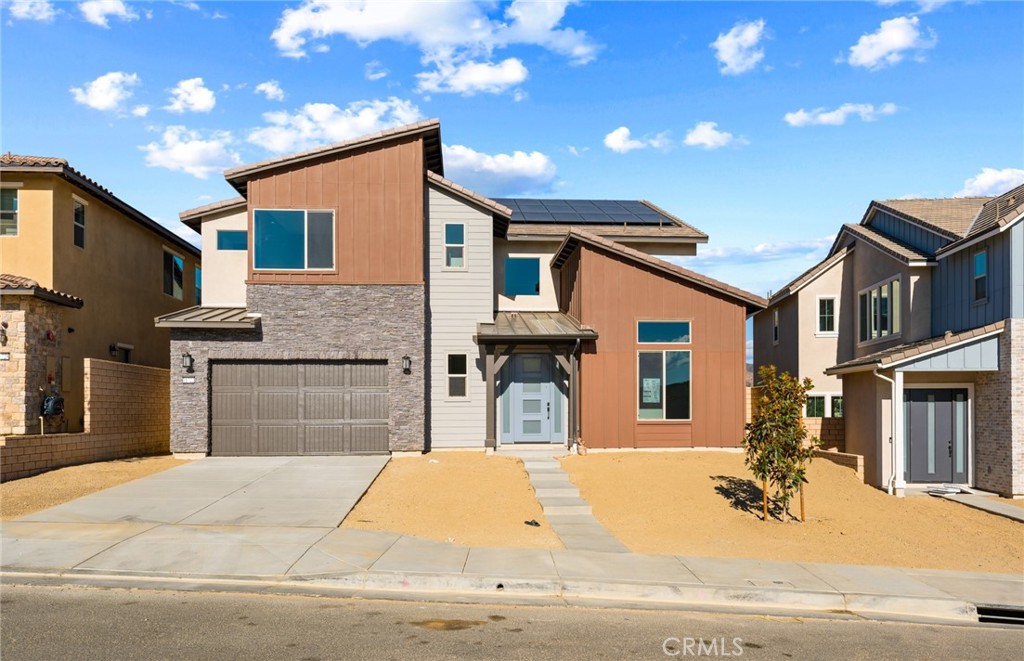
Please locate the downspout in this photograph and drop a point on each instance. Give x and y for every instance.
(892, 429)
(575, 386)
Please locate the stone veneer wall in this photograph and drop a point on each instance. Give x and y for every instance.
(127, 414)
(24, 370)
(999, 418)
(312, 322)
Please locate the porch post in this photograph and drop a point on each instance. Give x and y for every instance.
(573, 399)
(900, 483)
(490, 441)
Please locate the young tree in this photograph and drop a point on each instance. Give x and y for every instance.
(776, 441)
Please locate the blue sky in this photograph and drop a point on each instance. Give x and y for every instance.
(767, 125)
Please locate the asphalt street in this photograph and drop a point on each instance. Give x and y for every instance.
(43, 623)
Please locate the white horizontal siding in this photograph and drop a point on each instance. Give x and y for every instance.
(458, 301)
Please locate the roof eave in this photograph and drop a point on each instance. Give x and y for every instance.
(207, 324)
(43, 294)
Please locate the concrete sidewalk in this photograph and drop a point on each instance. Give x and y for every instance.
(349, 562)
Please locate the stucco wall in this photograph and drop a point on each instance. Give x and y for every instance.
(547, 300)
(312, 322)
(224, 271)
(819, 351)
(30, 252)
(866, 400)
(786, 354)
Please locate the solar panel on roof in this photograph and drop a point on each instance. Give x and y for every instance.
(583, 212)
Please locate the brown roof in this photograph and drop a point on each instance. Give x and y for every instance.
(903, 352)
(576, 236)
(60, 167)
(208, 317)
(537, 326)
(696, 233)
(883, 242)
(195, 215)
(951, 217)
(464, 192)
(16, 285)
(430, 128)
(999, 210)
(810, 274)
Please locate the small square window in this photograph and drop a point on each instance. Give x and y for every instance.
(457, 375)
(79, 224)
(815, 407)
(522, 276)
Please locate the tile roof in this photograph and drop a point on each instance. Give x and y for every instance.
(999, 210)
(199, 212)
(951, 217)
(237, 176)
(883, 242)
(208, 317)
(16, 285)
(798, 282)
(576, 236)
(511, 326)
(904, 352)
(60, 166)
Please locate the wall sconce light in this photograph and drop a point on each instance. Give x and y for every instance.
(3, 333)
(113, 350)
(187, 362)
(407, 364)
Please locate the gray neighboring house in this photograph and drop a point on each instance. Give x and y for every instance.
(929, 314)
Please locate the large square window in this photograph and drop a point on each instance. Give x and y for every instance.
(232, 240)
(663, 332)
(8, 212)
(522, 276)
(174, 276)
(664, 385)
(293, 239)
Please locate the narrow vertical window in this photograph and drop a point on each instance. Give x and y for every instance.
(457, 375)
(826, 315)
(79, 224)
(895, 307)
(837, 406)
(199, 286)
(454, 245)
(775, 326)
(174, 276)
(981, 275)
(865, 318)
(9, 212)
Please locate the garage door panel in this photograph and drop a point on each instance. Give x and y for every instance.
(327, 439)
(277, 439)
(278, 375)
(369, 438)
(369, 406)
(327, 375)
(277, 406)
(228, 375)
(232, 406)
(369, 374)
(232, 439)
(324, 405)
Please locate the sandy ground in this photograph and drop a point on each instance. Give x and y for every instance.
(707, 504)
(464, 498)
(31, 494)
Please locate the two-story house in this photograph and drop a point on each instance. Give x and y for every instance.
(82, 274)
(365, 303)
(930, 344)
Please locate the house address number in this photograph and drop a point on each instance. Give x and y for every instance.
(188, 379)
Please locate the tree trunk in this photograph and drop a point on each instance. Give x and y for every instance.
(801, 503)
(764, 495)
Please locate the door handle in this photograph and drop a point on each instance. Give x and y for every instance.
(549, 412)
(951, 449)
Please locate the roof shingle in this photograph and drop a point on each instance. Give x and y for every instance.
(951, 217)
(885, 243)
(14, 285)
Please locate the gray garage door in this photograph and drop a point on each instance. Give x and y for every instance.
(299, 408)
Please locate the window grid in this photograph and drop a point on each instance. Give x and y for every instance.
(879, 311)
(457, 364)
(8, 212)
(454, 246)
(827, 315)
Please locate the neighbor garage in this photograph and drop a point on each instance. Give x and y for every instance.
(299, 408)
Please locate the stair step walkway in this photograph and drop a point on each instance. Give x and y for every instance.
(569, 515)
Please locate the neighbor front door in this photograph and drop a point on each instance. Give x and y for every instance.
(533, 393)
(936, 435)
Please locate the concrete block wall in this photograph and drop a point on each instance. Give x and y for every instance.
(999, 418)
(831, 432)
(127, 414)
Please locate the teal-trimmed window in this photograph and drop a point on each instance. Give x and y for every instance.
(981, 275)
(174, 276)
(232, 240)
(664, 385)
(663, 332)
(293, 239)
(522, 276)
(815, 407)
(79, 222)
(199, 286)
(9, 212)
(454, 245)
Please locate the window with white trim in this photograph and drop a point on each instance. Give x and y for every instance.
(878, 309)
(457, 375)
(454, 245)
(981, 275)
(663, 388)
(174, 275)
(9, 212)
(815, 407)
(79, 220)
(293, 240)
(827, 315)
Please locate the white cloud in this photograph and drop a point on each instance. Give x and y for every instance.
(737, 50)
(184, 150)
(577, 151)
(191, 95)
(991, 182)
(837, 117)
(270, 89)
(760, 267)
(98, 12)
(108, 92)
(707, 136)
(621, 141)
(32, 10)
(499, 174)
(469, 77)
(187, 4)
(375, 70)
(140, 111)
(890, 43)
(323, 123)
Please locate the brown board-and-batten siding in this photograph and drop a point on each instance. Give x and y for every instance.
(614, 293)
(376, 194)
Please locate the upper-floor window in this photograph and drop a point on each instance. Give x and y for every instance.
(879, 310)
(981, 275)
(827, 315)
(457, 374)
(174, 276)
(79, 219)
(8, 212)
(293, 239)
(199, 286)
(232, 240)
(522, 276)
(775, 326)
(454, 245)
(663, 332)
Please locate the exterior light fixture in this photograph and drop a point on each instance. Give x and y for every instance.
(187, 362)
(113, 350)
(407, 364)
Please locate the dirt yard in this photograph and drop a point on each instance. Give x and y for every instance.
(31, 494)
(707, 504)
(464, 498)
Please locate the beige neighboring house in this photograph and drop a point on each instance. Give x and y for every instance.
(84, 275)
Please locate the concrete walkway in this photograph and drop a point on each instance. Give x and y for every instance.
(569, 515)
(990, 505)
